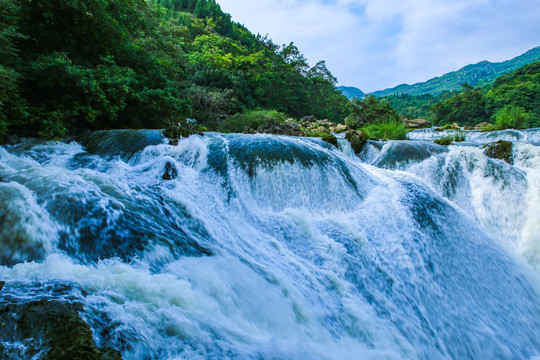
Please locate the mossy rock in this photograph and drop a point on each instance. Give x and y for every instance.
(331, 139)
(357, 139)
(502, 150)
(56, 326)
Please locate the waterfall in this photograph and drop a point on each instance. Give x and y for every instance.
(273, 247)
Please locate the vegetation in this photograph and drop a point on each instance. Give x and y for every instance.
(387, 130)
(100, 64)
(467, 108)
(370, 110)
(253, 119)
(480, 74)
(511, 117)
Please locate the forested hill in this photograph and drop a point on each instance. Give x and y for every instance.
(100, 64)
(479, 74)
(351, 92)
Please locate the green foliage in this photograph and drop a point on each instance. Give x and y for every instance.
(511, 117)
(386, 130)
(370, 110)
(467, 108)
(459, 136)
(252, 119)
(415, 106)
(102, 64)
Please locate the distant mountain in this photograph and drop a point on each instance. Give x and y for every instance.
(351, 92)
(479, 74)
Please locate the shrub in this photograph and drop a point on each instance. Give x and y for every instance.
(511, 117)
(388, 130)
(253, 119)
(448, 140)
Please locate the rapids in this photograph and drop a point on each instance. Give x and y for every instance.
(273, 247)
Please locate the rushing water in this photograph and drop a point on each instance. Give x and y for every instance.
(269, 247)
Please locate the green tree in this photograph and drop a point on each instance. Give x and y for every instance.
(467, 108)
(370, 110)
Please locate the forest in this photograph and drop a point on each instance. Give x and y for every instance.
(67, 66)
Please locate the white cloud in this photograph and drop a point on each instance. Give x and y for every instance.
(374, 44)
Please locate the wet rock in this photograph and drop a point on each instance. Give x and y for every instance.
(170, 172)
(54, 326)
(417, 123)
(455, 126)
(501, 149)
(331, 139)
(248, 130)
(357, 139)
(2, 283)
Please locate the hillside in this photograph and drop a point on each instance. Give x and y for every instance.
(351, 92)
(107, 64)
(479, 74)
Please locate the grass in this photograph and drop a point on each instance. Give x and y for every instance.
(388, 130)
(450, 139)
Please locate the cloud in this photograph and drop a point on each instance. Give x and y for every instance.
(374, 44)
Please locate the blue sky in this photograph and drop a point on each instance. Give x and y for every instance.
(376, 44)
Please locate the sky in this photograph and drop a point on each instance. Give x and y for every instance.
(377, 44)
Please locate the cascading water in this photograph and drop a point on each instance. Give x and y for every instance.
(268, 247)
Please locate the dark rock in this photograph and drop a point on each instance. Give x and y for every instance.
(501, 149)
(2, 283)
(176, 130)
(331, 139)
(170, 172)
(55, 326)
(248, 130)
(276, 128)
(417, 123)
(309, 118)
(357, 139)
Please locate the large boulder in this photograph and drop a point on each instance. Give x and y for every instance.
(339, 128)
(357, 139)
(331, 139)
(501, 149)
(417, 123)
(248, 130)
(55, 327)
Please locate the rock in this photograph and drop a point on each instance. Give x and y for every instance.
(321, 129)
(56, 327)
(277, 128)
(175, 131)
(331, 139)
(2, 283)
(417, 123)
(357, 139)
(248, 130)
(482, 126)
(455, 126)
(309, 118)
(501, 149)
(170, 172)
(340, 128)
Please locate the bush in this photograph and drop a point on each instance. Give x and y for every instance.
(253, 119)
(448, 140)
(388, 130)
(511, 117)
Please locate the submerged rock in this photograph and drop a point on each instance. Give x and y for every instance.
(501, 149)
(54, 326)
(357, 139)
(417, 123)
(331, 139)
(170, 172)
